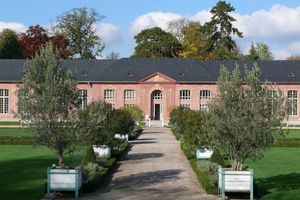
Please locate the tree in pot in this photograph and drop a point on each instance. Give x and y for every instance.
(91, 124)
(47, 100)
(120, 121)
(246, 118)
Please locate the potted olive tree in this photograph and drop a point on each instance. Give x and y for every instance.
(246, 121)
(46, 102)
(91, 128)
(120, 123)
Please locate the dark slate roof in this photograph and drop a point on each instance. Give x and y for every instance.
(181, 70)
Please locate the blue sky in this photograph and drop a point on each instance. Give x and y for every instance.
(276, 23)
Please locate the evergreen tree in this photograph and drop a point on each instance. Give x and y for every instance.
(220, 45)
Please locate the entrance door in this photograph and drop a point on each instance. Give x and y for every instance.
(157, 111)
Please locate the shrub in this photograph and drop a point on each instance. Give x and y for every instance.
(217, 158)
(210, 169)
(187, 151)
(89, 156)
(136, 112)
(90, 171)
(120, 121)
(177, 119)
(91, 124)
(134, 134)
(204, 178)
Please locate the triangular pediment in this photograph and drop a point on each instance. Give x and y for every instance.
(157, 78)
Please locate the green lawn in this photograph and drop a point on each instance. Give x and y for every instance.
(278, 173)
(293, 133)
(15, 132)
(23, 170)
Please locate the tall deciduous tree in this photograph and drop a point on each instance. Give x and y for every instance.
(219, 30)
(175, 27)
(46, 100)
(246, 120)
(9, 46)
(36, 36)
(193, 41)
(156, 43)
(78, 26)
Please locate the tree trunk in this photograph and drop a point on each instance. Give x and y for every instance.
(61, 159)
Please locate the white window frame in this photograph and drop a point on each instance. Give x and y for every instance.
(128, 105)
(109, 94)
(204, 108)
(292, 102)
(83, 98)
(187, 105)
(185, 94)
(205, 94)
(157, 94)
(4, 101)
(129, 94)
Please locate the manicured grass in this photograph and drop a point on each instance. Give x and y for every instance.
(278, 173)
(9, 123)
(23, 170)
(15, 132)
(293, 133)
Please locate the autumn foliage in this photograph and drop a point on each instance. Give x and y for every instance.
(36, 36)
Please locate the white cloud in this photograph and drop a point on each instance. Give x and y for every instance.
(292, 49)
(278, 22)
(110, 34)
(153, 19)
(18, 27)
(279, 27)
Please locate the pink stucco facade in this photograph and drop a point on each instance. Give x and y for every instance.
(144, 89)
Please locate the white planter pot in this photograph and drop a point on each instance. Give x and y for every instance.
(122, 137)
(102, 150)
(235, 181)
(64, 180)
(204, 153)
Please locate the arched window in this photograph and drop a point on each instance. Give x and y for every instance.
(157, 94)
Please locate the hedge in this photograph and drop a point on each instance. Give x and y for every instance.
(13, 140)
(288, 142)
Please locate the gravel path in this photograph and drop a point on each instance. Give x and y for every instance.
(154, 168)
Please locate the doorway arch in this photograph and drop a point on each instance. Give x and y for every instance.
(156, 105)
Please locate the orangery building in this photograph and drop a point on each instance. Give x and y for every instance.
(155, 85)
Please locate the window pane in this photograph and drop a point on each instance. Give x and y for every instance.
(185, 94)
(4, 101)
(129, 94)
(109, 94)
(204, 94)
(292, 102)
(157, 95)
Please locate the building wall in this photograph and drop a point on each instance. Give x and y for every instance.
(143, 91)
